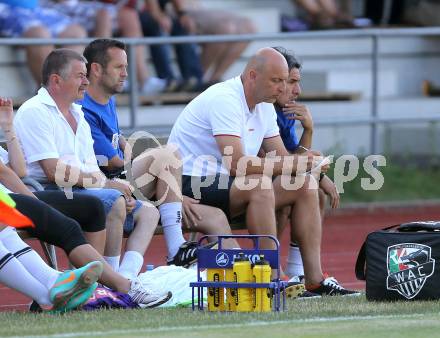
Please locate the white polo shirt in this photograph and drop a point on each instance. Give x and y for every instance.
(4, 158)
(45, 133)
(220, 110)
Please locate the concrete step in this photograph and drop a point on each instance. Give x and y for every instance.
(348, 139)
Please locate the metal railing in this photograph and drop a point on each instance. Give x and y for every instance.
(374, 34)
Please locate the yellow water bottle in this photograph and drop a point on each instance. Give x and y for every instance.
(216, 301)
(262, 296)
(230, 292)
(243, 274)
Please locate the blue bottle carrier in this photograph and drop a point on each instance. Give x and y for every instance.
(223, 259)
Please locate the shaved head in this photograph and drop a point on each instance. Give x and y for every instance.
(264, 58)
(265, 76)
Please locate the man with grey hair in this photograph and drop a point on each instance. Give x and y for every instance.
(58, 147)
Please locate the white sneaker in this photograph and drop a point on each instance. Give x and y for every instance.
(146, 298)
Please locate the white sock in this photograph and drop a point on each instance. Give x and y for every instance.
(131, 264)
(113, 261)
(14, 275)
(171, 219)
(295, 265)
(30, 260)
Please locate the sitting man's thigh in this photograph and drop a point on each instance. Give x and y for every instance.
(289, 189)
(209, 190)
(244, 188)
(107, 196)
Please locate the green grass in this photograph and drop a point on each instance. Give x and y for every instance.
(328, 317)
(400, 183)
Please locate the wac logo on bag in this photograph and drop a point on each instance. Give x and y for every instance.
(409, 266)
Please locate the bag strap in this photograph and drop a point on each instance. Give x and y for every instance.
(420, 226)
(359, 269)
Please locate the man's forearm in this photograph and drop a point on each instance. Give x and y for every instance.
(11, 181)
(271, 166)
(69, 176)
(306, 138)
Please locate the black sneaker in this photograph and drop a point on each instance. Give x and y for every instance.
(187, 254)
(331, 287)
(295, 289)
(308, 295)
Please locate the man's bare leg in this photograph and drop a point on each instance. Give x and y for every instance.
(213, 221)
(114, 225)
(157, 172)
(97, 240)
(145, 220)
(259, 205)
(305, 225)
(35, 55)
(84, 254)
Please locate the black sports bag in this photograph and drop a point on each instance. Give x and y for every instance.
(401, 262)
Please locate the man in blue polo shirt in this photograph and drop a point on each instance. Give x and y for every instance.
(156, 172)
(288, 111)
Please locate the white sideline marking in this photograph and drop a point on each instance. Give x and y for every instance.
(219, 326)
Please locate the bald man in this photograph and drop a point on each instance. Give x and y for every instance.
(219, 134)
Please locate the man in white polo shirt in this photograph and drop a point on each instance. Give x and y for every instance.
(219, 134)
(58, 145)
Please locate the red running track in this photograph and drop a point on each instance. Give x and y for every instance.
(343, 234)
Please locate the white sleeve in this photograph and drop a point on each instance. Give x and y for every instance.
(36, 135)
(4, 157)
(91, 163)
(225, 116)
(272, 128)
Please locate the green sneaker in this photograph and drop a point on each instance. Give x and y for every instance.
(74, 287)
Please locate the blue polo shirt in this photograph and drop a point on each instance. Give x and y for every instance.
(287, 130)
(21, 3)
(103, 121)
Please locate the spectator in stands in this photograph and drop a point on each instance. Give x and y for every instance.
(159, 168)
(230, 122)
(217, 57)
(108, 19)
(58, 147)
(53, 227)
(288, 111)
(24, 270)
(325, 14)
(156, 21)
(26, 19)
(420, 12)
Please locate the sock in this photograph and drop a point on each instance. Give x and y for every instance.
(14, 275)
(171, 219)
(131, 264)
(294, 261)
(113, 261)
(30, 260)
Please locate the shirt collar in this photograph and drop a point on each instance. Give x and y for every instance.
(47, 99)
(239, 83)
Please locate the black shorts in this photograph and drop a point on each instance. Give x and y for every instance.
(87, 210)
(51, 226)
(215, 195)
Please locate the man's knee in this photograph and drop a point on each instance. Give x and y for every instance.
(118, 210)
(264, 191)
(246, 26)
(74, 31)
(255, 188)
(37, 32)
(148, 215)
(218, 218)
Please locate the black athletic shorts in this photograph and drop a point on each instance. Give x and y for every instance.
(53, 227)
(215, 194)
